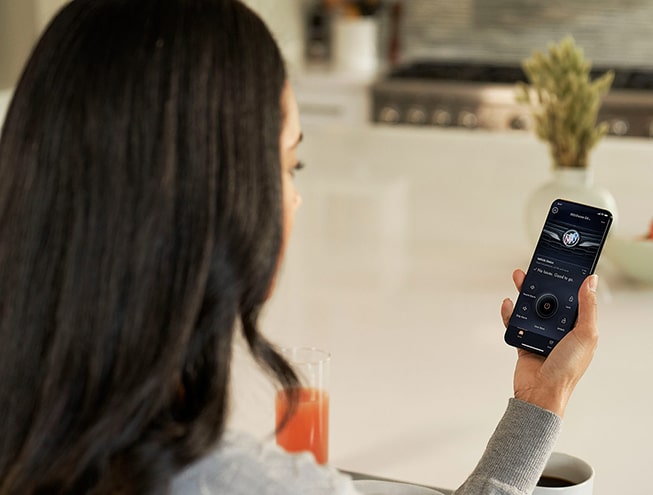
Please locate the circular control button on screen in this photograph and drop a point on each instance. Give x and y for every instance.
(546, 306)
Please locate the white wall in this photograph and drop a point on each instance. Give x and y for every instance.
(17, 35)
(284, 17)
(45, 9)
(21, 22)
(5, 97)
(285, 20)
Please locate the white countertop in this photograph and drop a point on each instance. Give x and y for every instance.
(402, 252)
(401, 255)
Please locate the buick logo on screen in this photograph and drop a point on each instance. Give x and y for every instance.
(570, 238)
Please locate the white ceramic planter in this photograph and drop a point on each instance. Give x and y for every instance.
(574, 184)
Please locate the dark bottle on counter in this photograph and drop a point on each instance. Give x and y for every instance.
(394, 45)
(318, 34)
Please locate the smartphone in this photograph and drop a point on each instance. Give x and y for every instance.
(566, 254)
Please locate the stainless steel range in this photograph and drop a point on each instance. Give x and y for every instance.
(478, 96)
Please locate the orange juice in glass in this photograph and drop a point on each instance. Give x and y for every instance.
(308, 427)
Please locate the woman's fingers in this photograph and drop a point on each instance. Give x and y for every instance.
(506, 310)
(518, 277)
(507, 305)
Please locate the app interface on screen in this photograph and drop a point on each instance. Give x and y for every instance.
(565, 255)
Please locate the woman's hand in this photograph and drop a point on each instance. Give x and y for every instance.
(549, 382)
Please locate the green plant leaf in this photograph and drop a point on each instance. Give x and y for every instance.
(567, 101)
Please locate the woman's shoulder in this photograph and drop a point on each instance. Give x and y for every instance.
(243, 465)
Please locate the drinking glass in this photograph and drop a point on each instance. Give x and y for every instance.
(308, 427)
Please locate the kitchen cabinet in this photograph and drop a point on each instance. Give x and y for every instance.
(330, 98)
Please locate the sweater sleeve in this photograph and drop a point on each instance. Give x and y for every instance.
(511, 465)
(241, 465)
(516, 453)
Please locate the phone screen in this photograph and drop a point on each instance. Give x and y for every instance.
(566, 254)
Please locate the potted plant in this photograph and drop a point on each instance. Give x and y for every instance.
(564, 103)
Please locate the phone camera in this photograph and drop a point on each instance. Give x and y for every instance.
(546, 306)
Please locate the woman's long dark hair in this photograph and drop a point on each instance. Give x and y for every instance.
(140, 227)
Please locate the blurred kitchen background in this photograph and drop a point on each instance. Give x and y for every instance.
(419, 167)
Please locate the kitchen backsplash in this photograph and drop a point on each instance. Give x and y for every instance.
(612, 32)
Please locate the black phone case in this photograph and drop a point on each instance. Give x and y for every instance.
(567, 251)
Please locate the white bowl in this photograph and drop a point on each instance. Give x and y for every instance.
(378, 487)
(632, 256)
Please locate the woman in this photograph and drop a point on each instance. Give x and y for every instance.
(146, 195)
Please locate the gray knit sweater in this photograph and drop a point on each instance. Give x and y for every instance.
(513, 460)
